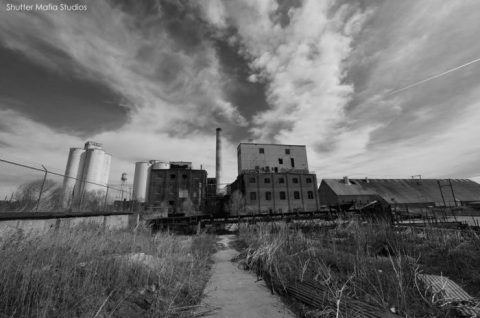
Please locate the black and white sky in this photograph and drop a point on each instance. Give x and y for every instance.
(153, 79)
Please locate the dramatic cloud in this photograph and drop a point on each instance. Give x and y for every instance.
(331, 67)
(152, 80)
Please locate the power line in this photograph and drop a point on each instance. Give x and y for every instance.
(58, 174)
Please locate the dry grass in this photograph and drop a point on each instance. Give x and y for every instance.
(370, 262)
(87, 272)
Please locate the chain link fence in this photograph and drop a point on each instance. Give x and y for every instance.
(33, 187)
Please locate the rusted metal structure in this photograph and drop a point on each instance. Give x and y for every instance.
(399, 193)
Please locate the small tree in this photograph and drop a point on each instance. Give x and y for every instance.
(92, 201)
(28, 193)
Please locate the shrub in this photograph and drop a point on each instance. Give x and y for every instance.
(89, 272)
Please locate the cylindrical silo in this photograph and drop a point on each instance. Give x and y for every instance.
(218, 161)
(94, 170)
(71, 172)
(140, 181)
(105, 175)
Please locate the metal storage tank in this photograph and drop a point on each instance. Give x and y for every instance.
(71, 172)
(93, 171)
(161, 165)
(77, 191)
(105, 175)
(140, 181)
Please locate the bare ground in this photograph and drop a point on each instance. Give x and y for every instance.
(233, 292)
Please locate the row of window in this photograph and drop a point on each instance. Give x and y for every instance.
(262, 150)
(283, 195)
(280, 180)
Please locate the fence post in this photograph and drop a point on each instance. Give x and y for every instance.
(105, 203)
(41, 188)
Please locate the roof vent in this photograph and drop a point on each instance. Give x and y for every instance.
(366, 180)
(346, 180)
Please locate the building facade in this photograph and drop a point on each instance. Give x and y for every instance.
(173, 188)
(273, 178)
(87, 173)
(271, 158)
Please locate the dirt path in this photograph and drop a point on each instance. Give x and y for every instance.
(233, 292)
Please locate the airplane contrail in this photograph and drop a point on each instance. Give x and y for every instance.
(433, 77)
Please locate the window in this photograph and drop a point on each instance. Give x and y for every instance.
(253, 196)
(261, 150)
(295, 180)
(267, 180)
(268, 195)
(296, 195)
(257, 168)
(275, 169)
(310, 194)
(309, 180)
(287, 151)
(172, 176)
(280, 161)
(184, 176)
(252, 180)
(292, 162)
(281, 180)
(171, 202)
(283, 195)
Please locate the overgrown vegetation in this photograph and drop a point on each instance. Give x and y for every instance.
(89, 272)
(49, 196)
(370, 262)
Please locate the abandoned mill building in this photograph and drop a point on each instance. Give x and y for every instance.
(274, 178)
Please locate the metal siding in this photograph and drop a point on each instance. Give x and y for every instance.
(404, 191)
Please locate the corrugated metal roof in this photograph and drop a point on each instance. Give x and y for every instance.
(409, 190)
(448, 289)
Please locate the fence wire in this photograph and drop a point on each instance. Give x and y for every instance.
(28, 188)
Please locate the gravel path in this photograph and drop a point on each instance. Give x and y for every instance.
(233, 292)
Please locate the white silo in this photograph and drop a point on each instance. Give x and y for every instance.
(93, 170)
(71, 173)
(87, 170)
(105, 175)
(140, 181)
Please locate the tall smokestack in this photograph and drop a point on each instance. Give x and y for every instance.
(218, 160)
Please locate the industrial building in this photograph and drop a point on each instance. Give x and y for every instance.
(170, 187)
(271, 158)
(399, 193)
(273, 178)
(87, 172)
(215, 203)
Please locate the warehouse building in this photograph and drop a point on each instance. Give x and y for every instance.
(399, 193)
(273, 178)
(173, 188)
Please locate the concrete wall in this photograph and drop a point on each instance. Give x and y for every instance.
(278, 192)
(42, 226)
(273, 157)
